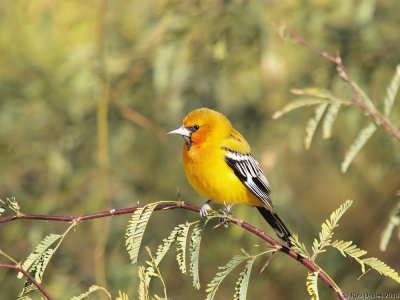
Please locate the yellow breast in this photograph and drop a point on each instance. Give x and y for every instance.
(209, 175)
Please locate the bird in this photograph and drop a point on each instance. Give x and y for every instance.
(219, 165)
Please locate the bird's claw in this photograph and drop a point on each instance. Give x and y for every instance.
(224, 221)
(205, 209)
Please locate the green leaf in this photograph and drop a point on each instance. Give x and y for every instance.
(135, 230)
(347, 248)
(394, 221)
(298, 104)
(312, 285)
(298, 246)
(243, 281)
(329, 120)
(327, 227)
(194, 252)
(391, 92)
(315, 92)
(358, 143)
(92, 289)
(212, 287)
(143, 291)
(165, 246)
(313, 124)
(382, 268)
(122, 296)
(38, 260)
(181, 241)
(11, 204)
(40, 254)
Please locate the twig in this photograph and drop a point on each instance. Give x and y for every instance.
(29, 277)
(357, 100)
(174, 205)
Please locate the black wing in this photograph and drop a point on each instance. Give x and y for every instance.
(248, 170)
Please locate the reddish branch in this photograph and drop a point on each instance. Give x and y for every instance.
(357, 100)
(29, 277)
(173, 205)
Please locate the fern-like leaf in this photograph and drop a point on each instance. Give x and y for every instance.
(38, 260)
(327, 227)
(312, 285)
(166, 245)
(13, 204)
(40, 252)
(92, 289)
(122, 296)
(394, 221)
(181, 241)
(298, 104)
(347, 248)
(143, 292)
(213, 286)
(313, 124)
(298, 246)
(243, 281)
(356, 146)
(135, 230)
(28, 288)
(382, 268)
(329, 120)
(391, 92)
(314, 92)
(194, 252)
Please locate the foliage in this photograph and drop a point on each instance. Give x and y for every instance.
(327, 228)
(323, 98)
(38, 260)
(213, 286)
(135, 230)
(89, 88)
(194, 252)
(312, 285)
(91, 290)
(394, 221)
(10, 204)
(347, 247)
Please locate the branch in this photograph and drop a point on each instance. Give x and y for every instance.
(357, 100)
(29, 277)
(312, 267)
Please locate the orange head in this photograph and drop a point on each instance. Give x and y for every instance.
(203, 125)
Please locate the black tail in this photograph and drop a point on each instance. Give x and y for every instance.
(276, 223)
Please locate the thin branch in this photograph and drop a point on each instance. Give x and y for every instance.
(357, 100)
(29, 277)
(174, 205)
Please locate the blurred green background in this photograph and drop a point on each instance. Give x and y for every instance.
(89, 88)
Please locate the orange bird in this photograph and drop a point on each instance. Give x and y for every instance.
(219, 165)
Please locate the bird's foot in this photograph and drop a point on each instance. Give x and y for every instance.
(205, 209)
(223, 219)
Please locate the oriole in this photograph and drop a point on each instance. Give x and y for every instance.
(218, 164)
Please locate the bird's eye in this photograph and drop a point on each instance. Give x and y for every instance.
(195, 128)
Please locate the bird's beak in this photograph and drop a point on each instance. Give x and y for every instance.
(183, 131)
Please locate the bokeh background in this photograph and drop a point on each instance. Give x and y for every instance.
(89, 88)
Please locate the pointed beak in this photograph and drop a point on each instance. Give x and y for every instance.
(182, 131)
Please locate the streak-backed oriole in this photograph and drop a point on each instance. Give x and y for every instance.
(219, 165)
